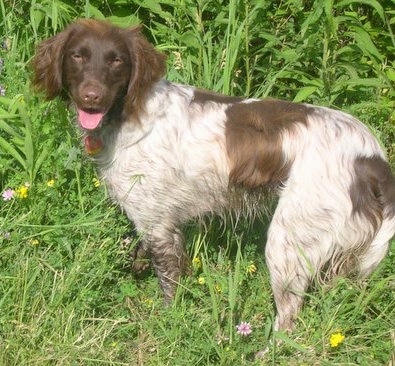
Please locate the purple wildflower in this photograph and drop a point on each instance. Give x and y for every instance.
(8, 194)
(244, 329)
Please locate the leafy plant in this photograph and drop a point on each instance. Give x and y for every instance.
(15, 123)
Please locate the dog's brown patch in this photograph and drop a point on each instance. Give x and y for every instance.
(372, 189)
(254, 140)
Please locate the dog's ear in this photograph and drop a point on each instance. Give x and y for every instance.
(47, 64)
(148, 66)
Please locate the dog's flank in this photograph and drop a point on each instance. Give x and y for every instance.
(171, 152)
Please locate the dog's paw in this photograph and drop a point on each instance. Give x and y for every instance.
(139, 260)
(140, 266)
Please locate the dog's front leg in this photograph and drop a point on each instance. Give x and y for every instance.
(139, 258)
(169, 259)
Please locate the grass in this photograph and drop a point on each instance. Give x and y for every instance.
(67, 296)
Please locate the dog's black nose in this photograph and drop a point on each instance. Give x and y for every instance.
(92, 96)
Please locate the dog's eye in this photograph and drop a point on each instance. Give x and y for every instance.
(76, 57)
(116, 61)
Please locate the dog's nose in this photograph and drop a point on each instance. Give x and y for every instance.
(92, 96)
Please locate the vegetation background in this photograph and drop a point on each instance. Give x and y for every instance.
(66, 294)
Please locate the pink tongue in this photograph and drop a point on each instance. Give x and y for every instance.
(89, 121)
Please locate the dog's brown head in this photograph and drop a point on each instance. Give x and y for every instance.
(100, 67)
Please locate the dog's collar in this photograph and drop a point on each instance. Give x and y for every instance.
(93, 144)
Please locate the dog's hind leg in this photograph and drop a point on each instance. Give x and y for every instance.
(289, 279)
(375, 253)
(297, 247)
(373, 198)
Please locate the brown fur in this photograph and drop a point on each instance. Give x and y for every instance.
(142, 64)
(373, 179)
(253, 137)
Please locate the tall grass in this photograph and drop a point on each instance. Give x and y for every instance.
(66, 293)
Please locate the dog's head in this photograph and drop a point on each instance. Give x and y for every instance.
(99, 67)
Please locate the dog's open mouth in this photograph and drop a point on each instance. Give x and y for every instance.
(89, 119)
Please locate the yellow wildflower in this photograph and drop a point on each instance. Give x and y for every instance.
(336, 339)
(21, 192)
(148, 301)
(201, 280)
(251, 268)
(96, 182)
(196, 263)
(177, 60)
(218, 288)
(34, 242)
(51, 183)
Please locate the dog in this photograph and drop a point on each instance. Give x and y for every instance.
(170, 153)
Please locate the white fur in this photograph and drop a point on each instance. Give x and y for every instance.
(174, 155)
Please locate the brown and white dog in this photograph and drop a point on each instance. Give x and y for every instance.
(170, 152)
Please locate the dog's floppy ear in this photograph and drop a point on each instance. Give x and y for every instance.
(47, 64)
(148, 66)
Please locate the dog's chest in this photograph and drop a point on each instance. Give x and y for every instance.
(171, 169)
